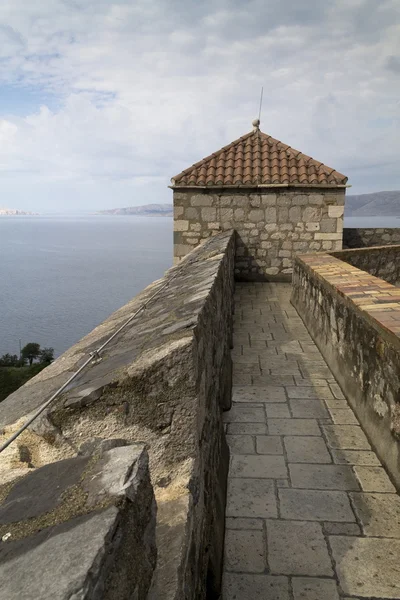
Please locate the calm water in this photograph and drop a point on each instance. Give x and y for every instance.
(371, 221)
(62, 276)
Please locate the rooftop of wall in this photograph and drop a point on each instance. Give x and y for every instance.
(257, 159)
(377, 300)
(168, 323)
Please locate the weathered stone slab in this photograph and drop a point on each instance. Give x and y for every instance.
(307, 588)
(269, 444)
(243, 523)
(308, 408)
(297, 548)
(379, 513)
(367, 567)
(315, 505)
(315, 391)
(354, 457)
(342, 528)
(244, 414)
(323, 477)
(251, 498)
(247, 428)
(305, 449)
(293, 427)
(346, 437)
(343, 416)
(256, 587)
(374, 479)
(277, 411)
(245, 551)
(241, 444)
(260, 466)
(270, 393)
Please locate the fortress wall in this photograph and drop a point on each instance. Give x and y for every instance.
(360, 237)
(354, 318)
(382, 261)
(161, 384)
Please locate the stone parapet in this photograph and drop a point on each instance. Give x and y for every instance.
(163, 382)
(354, 318)
(360, 237)
(381, 261)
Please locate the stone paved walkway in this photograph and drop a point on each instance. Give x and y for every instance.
(311, 514)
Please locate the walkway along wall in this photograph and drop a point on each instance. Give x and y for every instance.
(354, 318)
(163, 383)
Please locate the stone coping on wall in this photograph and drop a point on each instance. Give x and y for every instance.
(376, 299)
(162, 382)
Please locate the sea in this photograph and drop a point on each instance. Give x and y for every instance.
(61, 276)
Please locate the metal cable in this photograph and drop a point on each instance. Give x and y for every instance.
(93, 355)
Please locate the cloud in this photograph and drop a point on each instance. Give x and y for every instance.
(143, 89)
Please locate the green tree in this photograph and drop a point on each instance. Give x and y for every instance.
(9, 360)
(46, 356)
(31, 351)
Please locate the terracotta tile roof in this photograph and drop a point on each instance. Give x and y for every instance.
(258, 159)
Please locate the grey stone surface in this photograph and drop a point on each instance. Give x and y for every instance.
(251, 498)
(308, 408)
(343, 416)
(307, 588)
(346, 437)
(247, 428)
(323, 477)
(262, 466)
(269, 444)
(297, 548)
(374, 479)
(379, 513)
(245, 414)
(304, 449)
(279, 411)
(293, 427)
(87, 535)
(243, 523)
(315, 505)
(355, 457)
(342, 529)
(241, 444)
(256, 587)
(367, 567)
(245, 551)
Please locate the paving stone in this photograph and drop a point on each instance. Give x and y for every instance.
(244, 414)
(271, 393)
(305, 449)
(346, 437)
(241, 444)
(341, 528)
(254, 465)
(251, 498)
(269, 444)
(278, 411)
(243, 523)
(309, 588)
(246, 428)
(315, 505)
(308, 407)
(374, 479)
(245, 551)
(379, 513)
(337, 392)
(336, 403)
(241, 379)
(367, 567)
(293, 427)
(266, 379)
(238, 586)
(343, 416)
(282, 372)
(355, 457)
(297, 548)
(314, 382)
(309, 392)
(323, 477)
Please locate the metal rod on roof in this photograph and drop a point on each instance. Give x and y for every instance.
(261, 99)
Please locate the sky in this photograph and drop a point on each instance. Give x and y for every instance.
(102, 102)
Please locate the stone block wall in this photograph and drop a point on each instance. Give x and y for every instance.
(164, 382)
(272, 225)
(354, 318)
(365, 237)
(381, 261)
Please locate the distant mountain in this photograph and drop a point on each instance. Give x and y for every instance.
(378, 204)
(10, 212)
(147, 210)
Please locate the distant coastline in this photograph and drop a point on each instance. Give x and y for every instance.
(12, 212)
(147, 210)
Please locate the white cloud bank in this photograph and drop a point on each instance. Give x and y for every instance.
(143, 89)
